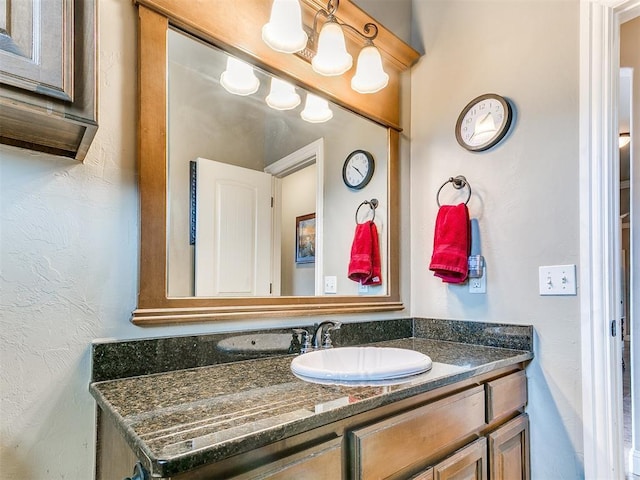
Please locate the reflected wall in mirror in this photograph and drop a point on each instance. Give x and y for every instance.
(244, 153)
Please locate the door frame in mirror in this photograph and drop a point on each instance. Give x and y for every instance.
(236, 28)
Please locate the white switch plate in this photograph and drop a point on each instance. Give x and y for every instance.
(363, 288)
(557, 280)
(330, 284)
(478, 285)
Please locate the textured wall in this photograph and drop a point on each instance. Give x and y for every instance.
(525, 189)
(68, 272)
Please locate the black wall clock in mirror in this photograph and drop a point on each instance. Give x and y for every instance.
(484, 122)
(358, 168)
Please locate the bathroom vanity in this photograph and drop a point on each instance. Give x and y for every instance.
(255, 419)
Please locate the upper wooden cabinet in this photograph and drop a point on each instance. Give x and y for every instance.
(48, 93)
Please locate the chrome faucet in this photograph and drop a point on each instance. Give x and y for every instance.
(322, 335)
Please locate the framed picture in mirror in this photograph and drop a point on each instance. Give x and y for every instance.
(306, 238)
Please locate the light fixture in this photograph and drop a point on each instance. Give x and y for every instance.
(284, 31)
(332, 57)
(239, 78)
(282, 95)
(316, 110)
(369, 77)
(624, 139)
(327, 49)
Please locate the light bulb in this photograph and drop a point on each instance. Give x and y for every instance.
(239, 78)
(316, 110)
(282, 95)
(284, 31)
(332, 57)
(370, 76)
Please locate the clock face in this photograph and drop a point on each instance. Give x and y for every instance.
(358, 169)
(483, 122)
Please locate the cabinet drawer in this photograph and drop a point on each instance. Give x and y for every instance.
(420, 435)
(320, 462)
(506, 395)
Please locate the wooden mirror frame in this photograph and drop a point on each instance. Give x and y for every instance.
(236, 27)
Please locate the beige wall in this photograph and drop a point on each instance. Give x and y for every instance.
(630, 57)
(525, 189)
(298, 198)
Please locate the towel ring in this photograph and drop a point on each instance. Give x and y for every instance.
(458, 182)
(373, 204)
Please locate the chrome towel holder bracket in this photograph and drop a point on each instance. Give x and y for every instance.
(373, 204)
(458, 182)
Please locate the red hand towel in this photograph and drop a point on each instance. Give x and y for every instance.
(364, 264)
(451, 243)
(376, 272)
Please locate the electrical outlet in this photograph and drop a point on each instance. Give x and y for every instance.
(330, 284)
(363, 288)
(478, 285)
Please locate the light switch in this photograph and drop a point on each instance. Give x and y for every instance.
(557, 280)
(330, 284)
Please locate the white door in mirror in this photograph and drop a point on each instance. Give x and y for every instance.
(233, 230)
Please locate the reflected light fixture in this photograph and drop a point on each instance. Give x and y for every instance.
(282, 95)
(624, 139)
(239, 78)
(327, 49)
(316, 110)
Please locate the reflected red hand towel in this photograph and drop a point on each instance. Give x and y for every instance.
(360, 263)
(451, 244)
(376, 273)
(364, 264)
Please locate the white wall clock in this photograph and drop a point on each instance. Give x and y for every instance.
(483, 122)
(358, 169)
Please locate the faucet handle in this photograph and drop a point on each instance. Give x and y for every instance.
(326, 340)
(306, 339)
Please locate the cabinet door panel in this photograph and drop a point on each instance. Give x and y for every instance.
(469, 463)
(509, 450)
(36, 46)
(418, 436)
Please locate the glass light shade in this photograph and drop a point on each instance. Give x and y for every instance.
(282, 95)
(284, 31)
(332, 57)
(370, 76)
(316, 110)
(239, 78)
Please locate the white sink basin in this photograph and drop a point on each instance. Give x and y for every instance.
(360, 363)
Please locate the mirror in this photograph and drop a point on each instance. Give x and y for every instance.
(164, 197)
(300, 164)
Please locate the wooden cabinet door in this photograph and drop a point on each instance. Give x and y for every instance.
(509, 450)
(48, 80)
(36, 46)
(468, 463)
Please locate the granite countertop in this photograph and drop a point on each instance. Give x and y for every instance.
(179, 420)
